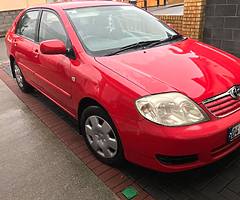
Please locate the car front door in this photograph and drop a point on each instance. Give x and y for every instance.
(53, 73)
(23, 41)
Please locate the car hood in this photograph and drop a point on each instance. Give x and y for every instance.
(190, 67)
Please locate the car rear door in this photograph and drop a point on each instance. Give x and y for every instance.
(53, 72)
(23, 41)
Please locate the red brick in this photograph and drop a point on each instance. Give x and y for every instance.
(49, 116)
(63, 132)
(69, 139)
(80, 149)
(40, 112)
(76, 143)
(116, 180)
(45, 115)
(109, 174)
(60, 127)
(120, 196)
(84, 154)
(149, 198)
(93, 164)
(88, 159)
(100, 169)
(123, 185)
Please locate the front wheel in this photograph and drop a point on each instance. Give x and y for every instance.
(23, 85)
(101, 135)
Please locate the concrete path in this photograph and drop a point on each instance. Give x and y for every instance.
(167, 10)
(34, 164)
(3, 54)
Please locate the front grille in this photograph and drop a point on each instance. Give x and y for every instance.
(222, 105)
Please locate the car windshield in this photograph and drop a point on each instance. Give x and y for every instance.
(104, 30)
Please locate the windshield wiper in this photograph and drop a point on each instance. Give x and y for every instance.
(171, 38)
(137, 45)
(143, 44)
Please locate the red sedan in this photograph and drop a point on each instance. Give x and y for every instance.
(140, 91)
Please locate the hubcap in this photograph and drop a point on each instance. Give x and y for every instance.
(19, 76)
(101, 136)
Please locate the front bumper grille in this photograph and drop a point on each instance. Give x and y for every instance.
(176, 160)
(223, 104)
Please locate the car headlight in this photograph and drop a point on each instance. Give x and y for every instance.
(171, 109)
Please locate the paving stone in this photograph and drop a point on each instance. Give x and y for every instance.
(228, 194)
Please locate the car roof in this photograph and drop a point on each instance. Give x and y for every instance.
(79, 4)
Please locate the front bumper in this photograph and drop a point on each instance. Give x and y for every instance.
(207, 141)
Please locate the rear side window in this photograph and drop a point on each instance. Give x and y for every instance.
(27, 24)
(51, 28)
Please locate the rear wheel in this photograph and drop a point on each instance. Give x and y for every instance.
(23, 85)
(101, 135)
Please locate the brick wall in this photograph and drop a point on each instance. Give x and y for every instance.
(222, 25)
(193, 18)
(175, 1)
(6, 19)
(191, 23)
(175, 20)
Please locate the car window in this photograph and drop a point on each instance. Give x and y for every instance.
(27, 24)
(51, 28)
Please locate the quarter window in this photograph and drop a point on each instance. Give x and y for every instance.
(27, 25)
(51, 28)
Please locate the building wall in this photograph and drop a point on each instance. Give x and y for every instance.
(174, 20)
(191, 23)
(18, 4)
(222, 25)
(6, 19)
(150, 3)
(175, 1)
(193, 18)
(10, 9)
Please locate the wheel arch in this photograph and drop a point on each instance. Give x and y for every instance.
(88, 101)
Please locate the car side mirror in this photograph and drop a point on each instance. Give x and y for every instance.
(52, 47)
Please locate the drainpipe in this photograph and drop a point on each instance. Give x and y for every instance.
(145, 4)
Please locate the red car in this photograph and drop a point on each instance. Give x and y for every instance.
(140, 91)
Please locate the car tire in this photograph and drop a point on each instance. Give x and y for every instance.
(101, 136)
(22, 83)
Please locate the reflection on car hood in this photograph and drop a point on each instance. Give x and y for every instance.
(190, 67)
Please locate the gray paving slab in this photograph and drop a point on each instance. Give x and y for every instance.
(167, 10)
(3, 54)
(34, 164)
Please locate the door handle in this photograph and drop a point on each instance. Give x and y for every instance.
(15, 42)
(36, 53)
